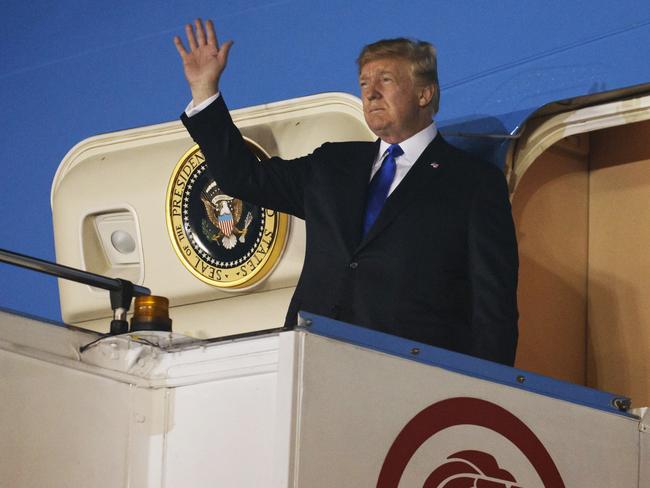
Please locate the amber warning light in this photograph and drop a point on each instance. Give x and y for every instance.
(151, 312)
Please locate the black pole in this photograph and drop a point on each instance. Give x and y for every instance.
(73, 274)
(121, 291)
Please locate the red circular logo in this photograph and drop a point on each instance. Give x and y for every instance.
(468, 468)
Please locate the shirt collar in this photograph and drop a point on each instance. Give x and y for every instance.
(415, 145)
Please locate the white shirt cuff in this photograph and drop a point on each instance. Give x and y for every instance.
(191, 110)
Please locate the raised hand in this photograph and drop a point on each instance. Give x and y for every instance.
(205, 61)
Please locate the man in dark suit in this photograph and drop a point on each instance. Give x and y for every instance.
(407, 235)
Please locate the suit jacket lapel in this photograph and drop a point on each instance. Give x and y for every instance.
(354, 192)
(423, 172)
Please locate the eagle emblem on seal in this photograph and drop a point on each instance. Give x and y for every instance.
(223, 224)
(223, 241)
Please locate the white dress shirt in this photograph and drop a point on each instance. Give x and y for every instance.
(192, 110)
(413, 147)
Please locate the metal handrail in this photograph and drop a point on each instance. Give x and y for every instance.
(68, 273)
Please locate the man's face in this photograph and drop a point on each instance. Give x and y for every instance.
(392, 105)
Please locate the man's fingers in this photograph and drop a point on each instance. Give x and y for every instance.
(224, 50)
(212, 36)
(189, 33)
(202, 37)
(200, 33)
(179, 46)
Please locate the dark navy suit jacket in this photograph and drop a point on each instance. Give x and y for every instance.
(440, 263)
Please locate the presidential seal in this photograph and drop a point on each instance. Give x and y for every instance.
(221, 240)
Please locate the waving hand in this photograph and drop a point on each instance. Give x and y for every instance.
(205, 61)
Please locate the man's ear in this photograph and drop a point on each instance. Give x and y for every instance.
(425, 95)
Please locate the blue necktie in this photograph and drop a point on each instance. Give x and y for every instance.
(379, 186)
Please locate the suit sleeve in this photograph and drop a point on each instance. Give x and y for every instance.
(274, 183)
(493, 268)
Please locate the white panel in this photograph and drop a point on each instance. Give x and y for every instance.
(290, 409)
(128, 414)
(286, 410)
(148, 427)
(644, 451)
(355, 402)
(221, 433)
(60, 427)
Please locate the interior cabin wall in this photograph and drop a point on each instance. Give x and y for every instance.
(582, 212)
(550, 209)
(618, 349)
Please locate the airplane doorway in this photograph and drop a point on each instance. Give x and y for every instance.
(580, 186)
